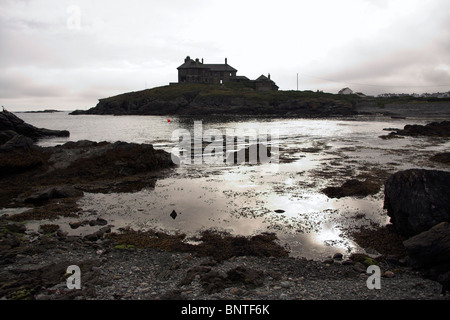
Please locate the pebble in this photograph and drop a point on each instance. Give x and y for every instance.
(389, 274)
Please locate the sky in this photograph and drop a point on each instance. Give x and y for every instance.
(65, 55)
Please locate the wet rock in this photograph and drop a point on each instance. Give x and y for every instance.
(430, 249)
(98, 222)
(98, 234)
(443, 157)
(417, 199)
(337, 256)
(352, 188)
(77, 224)
(389, 274)
(433, 129)
(88, 161)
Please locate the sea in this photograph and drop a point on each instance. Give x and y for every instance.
(283, 197)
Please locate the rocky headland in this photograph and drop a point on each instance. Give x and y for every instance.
(235, 99)
(129, 264)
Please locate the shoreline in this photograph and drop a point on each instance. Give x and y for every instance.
(118, 272)
(34, 263)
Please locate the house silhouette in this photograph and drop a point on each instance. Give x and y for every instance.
(196, 71)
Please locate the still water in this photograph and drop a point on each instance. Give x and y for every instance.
(284, 198)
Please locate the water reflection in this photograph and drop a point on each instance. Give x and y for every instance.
(244, 199)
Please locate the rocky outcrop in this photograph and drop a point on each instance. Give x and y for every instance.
(52, 179)
(417, 199)
(433, 129)
(220, 100)
(17, 150)
(10, 123)
(418, 202)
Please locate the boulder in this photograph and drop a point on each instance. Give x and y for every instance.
(352, 188)
(430, 250)
(417, 199)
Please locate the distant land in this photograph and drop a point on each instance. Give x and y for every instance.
(40, 111)
(237, 99)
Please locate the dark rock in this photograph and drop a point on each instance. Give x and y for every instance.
(16, 227)
(433, 129)
(98, 234)
(53, 193)
(6, 135)
(430, 249)
(173, 214)
(18, 154)
(213, 281)
(48, 228)
(10, 122)
(444, 280)
(338, 256)
(98, 222)
(77, 224)
(193, 272)
(17, 142)
(417, 199)
(352, 188)
(348, 262)
(443, 157)
(246, 276)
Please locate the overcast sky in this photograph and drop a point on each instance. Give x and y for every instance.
(67, 54)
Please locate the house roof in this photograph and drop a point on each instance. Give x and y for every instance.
(264, 78)
(190, 64)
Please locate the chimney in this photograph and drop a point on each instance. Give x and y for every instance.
(202, 60)
(226, 61)
(269, 76)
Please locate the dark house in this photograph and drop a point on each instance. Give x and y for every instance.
(195, 71)
(198, 72)
(264, 83)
